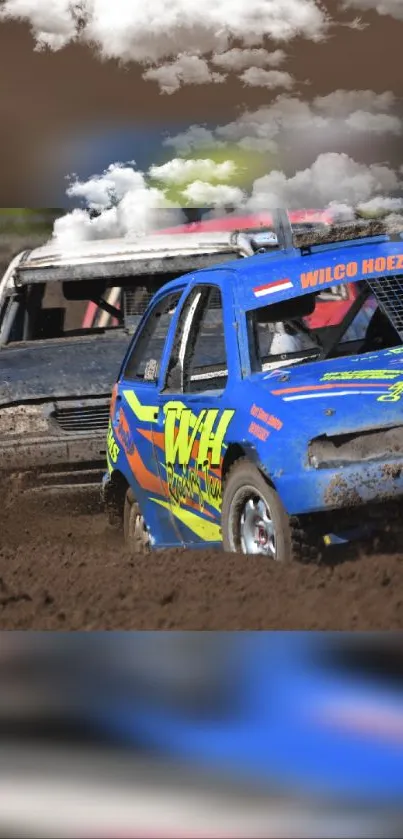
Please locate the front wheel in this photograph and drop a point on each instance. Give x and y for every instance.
(254, 521)
(136, 535)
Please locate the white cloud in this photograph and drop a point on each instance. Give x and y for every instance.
(187, 69)
(200, 194)
(154, 31)
(271, 79)
(236, 59)
(383, 7)
(374, 123)
(126, 204)
(54, 23)
(381, 204)
(100, 191)
(331, 178)
(196, 137)
(178, 171)
(129, 206)
(341, 103)
(289, 120)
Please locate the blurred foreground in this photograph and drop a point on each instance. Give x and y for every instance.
(201, 735)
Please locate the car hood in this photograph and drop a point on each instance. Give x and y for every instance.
(76, 367)
(341, 395)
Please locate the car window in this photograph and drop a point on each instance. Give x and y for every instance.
(198, 361)
(359, 327)
(334, 294)
(145, 359)
(278, 333)
(45, 313)
(295, 338)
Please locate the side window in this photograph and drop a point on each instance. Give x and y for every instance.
(334, 294)
(358, 329)
(145, 360)
(277, 333)
(199, 357)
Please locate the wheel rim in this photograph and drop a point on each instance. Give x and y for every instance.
(252, 524)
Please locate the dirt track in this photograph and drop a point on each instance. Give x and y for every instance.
(69, 571)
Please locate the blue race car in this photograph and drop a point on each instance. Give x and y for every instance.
(236, 423)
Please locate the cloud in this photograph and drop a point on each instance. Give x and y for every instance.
(53, 24)
(374, 123)
(127, 205)
(187, 69)
(258, 77)
(331, 178)
(289, 120)
(178, 171)
(156, 32)
(100, 191)
(236, 59)
(196, 137)
(200, 194)
(381, 205)
(394, 8)
(341, 103)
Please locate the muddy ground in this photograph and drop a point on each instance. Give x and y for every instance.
(63, 567)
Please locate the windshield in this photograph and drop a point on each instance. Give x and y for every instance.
(42, 311)
(335, 323)
(55, 310)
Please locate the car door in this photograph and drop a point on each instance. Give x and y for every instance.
(195, 413)
(134, 412)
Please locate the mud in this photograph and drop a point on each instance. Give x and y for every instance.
(63, 567)
(340, 494)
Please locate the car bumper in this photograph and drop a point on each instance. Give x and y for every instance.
(351, 486)
(50, 461)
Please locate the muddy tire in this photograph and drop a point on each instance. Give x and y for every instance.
(137, 539)
(254, 520)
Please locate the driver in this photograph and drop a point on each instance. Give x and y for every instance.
(290, 337)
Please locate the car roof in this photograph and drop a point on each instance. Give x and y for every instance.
(280, 275)
(111, 258)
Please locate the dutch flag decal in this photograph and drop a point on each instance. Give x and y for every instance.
(271, 288)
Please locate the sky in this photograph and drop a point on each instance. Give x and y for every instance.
(306, 98)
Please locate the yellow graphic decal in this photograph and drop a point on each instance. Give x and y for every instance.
(179, 446)
(208, 531)
(144, 413)
(112, 446)
(198, 438)
(395, 393)
(109, 464)
(361, 374)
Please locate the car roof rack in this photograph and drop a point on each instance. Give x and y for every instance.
(341, 233)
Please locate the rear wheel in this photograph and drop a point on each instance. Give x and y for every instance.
(254, 520)
(136, 535)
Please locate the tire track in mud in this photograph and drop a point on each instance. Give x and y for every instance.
(63, 567)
